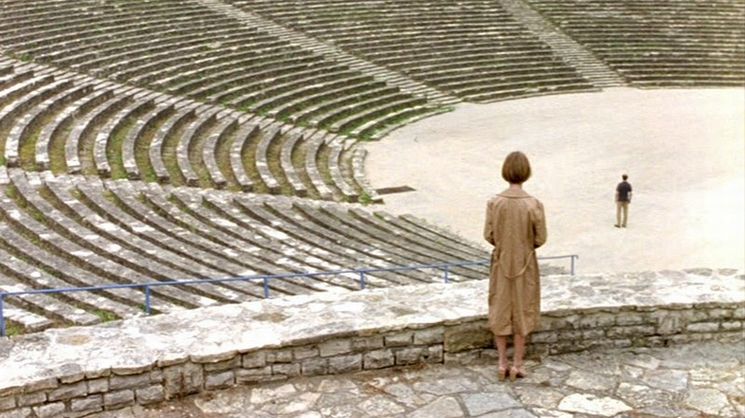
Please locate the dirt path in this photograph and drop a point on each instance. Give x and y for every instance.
(684, 151)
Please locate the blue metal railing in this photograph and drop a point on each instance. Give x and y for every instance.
(361, 273)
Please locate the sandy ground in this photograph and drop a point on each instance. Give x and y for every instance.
(684, 151)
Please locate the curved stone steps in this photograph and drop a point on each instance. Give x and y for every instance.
(295, 222)
(83, 131)
(685, 33)
(26, 130)
(52, 132)
(95, 265)
(155, 252)
(169, 128)
(127, 257)
(54, 272)
(133, 51)
(108, 142)
(164, 107)
(46, 306)
(404, 36)
(241, 260)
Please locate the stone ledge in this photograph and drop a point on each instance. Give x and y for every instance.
(82, 370)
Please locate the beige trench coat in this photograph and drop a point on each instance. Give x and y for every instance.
(515, 225)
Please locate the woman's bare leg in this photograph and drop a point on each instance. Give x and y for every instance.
(501, 343)
(519, 341)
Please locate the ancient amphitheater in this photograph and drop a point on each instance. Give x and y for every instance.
(143, 142)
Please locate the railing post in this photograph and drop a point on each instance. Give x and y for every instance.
(266, 288)
(2, 315)
(572, 269)
(147, 300)
(447, 273)
(362, 280)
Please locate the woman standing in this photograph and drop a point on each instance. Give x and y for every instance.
(515, 226)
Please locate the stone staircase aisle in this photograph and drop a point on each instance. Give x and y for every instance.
(391, 77)
(574, 54)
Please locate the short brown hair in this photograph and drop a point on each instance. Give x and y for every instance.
(516, 168)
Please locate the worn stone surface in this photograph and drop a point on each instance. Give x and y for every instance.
(189, 334)
(474, 390)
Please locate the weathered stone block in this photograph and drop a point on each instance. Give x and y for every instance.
(233, 363)
(668, 324)
(183, 379)
(335, 347)
(76, 390)
(401, 339)
(345, 364)
(50, 410)
(544, 337)
(434, 354)
(128, 382)
(43, 384)
(213, 358)
(254, 360)
(259, 374)
(71, 373)
(279, 356)
(118, 399)
(468, 337)
(364, 344)
(131, 370)
(429, 336)
(156, 376)
(288, 369)
(29, 399)
(13, 390)
(551, 323)
(314, 366)
(703, 327)
(150, 394)
(631, 331)
(572, 335)
(408, 356)
(598, 320)
(631, 318)
(379, 359)
(219, 380)
(593, 334)
(731, 325)
(622, 343)
(98, 385)
(95, 374)
(89, 403)
(739, 313)
(17, 413)
(302, 353)
(7, 402)
(720, 313)
(696, 315)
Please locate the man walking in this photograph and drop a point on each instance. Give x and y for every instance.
(623, 198)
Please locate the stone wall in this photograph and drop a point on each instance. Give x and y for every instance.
(77, 371)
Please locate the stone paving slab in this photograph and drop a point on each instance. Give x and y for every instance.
(693, 380)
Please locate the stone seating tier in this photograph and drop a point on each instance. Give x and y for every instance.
(151, 48)
(401, 38)
(146, 361)
(703, 43)
(69, 231)
(109, 130)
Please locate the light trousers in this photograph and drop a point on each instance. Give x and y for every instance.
(622, 213)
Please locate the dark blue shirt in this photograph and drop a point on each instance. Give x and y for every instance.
(623, 189)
